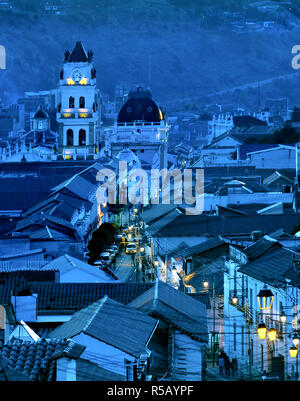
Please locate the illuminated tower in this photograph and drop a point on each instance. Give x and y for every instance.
(77, 113)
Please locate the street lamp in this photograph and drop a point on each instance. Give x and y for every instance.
(265, 298)
(262, 331)
(272, 334)
(282, 317)
(156, 263)
(295, 339)
(293, 352)
(234, 299)
(205, 283)
(142, 249)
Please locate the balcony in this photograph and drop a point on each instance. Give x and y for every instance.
(138, 124)
(76, 113)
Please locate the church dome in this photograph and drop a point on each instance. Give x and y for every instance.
(140, 107)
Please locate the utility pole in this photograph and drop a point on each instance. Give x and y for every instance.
(249, 353)
(214, 320)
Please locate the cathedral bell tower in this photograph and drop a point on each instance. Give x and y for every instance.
(77, 112)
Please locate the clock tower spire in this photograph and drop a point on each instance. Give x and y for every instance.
(78, 113)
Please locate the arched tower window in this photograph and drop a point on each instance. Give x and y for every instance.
(81, 102)
(82, 137)
(71, 102)
(70, 137)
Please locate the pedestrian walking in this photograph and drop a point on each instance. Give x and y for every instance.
(227, 364)
(221, 363)
(234, 367)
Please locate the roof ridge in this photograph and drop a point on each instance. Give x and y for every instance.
(68, 257)
(102, 302)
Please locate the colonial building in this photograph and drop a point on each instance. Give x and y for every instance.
(78, 105)
(40, 133)
(141, 127)
(39, 143)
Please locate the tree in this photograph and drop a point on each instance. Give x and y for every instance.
(287, 134)
(101, 238)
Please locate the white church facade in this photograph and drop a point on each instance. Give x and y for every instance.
(141, 127)
(78, 112)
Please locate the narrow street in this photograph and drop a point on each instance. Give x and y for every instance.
(125, 268)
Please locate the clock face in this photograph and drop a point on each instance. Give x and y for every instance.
(77, 75)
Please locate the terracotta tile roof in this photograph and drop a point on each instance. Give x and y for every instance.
(70, 349)
(25, 360)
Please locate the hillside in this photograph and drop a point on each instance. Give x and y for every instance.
(163, 45)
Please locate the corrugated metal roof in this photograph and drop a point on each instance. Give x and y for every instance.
(175, 308)
(260, 247)
(110, 322)
(68, 263)
(271, 267)
(67, 298)
(197, 225)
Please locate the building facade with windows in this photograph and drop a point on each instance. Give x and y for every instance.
(78, 112)
(265, 264)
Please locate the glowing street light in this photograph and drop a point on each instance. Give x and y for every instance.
(282, 317)
(205, 283)
(262, 331)
(265, 298)
(293, 352)
(295, 339)
(272, 334)
(234, 299)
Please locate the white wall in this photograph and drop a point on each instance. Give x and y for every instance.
(277, 158)
(238, 344)
(65, 369)
(104, 355)
(187, 361)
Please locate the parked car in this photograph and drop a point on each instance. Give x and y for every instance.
(118, 237)
(98, 263)
(111, 250)
(115, 247)
(106, 256)
(131, 248)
